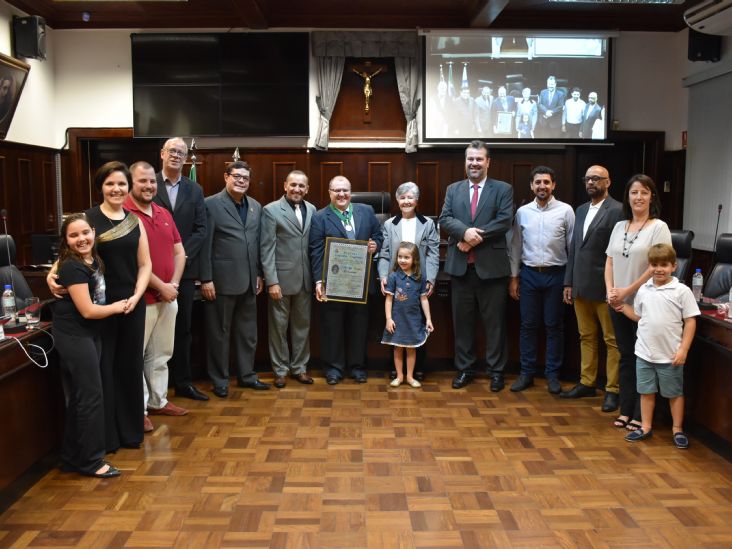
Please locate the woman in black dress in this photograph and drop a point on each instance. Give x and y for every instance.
(122, 245)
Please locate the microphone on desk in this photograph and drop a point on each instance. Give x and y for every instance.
(714, 247)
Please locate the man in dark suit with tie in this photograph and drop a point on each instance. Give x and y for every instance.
(343, 326)
(503, 104)
(184, 199)
(592, 113)
(551, 105)
(584, 285)
(231, 278)
(285, 236)
(476, 216)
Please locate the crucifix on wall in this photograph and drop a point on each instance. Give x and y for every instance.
(367, 70)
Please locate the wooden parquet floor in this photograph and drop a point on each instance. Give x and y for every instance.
(367, 466)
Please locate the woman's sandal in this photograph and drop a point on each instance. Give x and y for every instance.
(633, 425)
(620, 423)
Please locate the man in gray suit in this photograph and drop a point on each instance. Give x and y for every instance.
(286, 265)
(477, 215)
(584, 285)
(231, 279)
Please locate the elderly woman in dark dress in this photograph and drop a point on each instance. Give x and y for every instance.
(122, 245)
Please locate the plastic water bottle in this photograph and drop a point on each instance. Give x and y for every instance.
(697, 282)
(9, 302)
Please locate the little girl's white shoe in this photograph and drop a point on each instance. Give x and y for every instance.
(414, 383)
(396, 382)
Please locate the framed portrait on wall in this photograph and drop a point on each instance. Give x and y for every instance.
(13, 73)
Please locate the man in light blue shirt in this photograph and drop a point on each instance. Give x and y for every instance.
(540, 240)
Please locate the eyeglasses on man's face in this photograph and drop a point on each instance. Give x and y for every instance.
(593, 178)
(238, 177)
(176, 152)
(340, 191)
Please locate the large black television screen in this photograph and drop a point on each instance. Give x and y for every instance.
(233, 84)
(518, 86)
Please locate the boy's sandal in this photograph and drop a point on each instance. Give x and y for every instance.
(633, 425)
(620, 423)
(681, 440)
(638, 434)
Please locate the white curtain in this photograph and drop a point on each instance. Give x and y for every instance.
(329, 76)
(407, 75)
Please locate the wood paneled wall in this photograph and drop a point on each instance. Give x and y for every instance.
(28, 193)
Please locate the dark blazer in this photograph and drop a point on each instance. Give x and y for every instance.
(498, 107)
(556, 105)
(493, 216)
(585, 271)
(189, 216)
(590, 115)
(326, 223)
(230, 253)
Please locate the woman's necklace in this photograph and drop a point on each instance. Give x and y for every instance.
(109, 217)
(626, 244)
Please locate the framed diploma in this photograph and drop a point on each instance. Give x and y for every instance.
(504, 123)
(346, 270)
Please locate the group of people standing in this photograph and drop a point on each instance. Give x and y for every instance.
(552, 113)
(127, 270)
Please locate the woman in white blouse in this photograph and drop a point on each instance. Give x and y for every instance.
(626, 270)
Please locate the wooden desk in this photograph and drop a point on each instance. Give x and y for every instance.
(31, 406)
(709, 379)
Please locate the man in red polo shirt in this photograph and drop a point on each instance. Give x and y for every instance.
(168, 261)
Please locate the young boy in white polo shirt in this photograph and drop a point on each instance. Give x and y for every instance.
(665, 310)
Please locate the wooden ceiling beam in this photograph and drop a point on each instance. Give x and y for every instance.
(249, 13)
(486, 12)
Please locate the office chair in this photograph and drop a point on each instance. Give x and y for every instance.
(380, 201)
(720, 280)
(681, 241)
(10, 274)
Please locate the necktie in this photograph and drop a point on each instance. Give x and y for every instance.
(474, 201)
(298, 215)
(473, 208)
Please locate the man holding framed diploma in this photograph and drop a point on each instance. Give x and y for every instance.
(343, 239)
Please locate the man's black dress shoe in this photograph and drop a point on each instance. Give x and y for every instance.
(611, 402)
(553, 386)
(280, 382)
(359, 377)
(497, 383)
(189, 391)
(221, 392)
(578, 391)
(256, 384)
(461, 380)
(522, 382)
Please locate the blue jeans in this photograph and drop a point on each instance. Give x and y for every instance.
(541, 295)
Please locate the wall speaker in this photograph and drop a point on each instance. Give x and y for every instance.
(29, 37)
(704, 47)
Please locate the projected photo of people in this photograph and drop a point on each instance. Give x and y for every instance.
(514, 87)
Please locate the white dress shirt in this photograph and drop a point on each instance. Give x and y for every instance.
(541, 236)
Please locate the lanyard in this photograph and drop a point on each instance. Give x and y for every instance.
(345, 217)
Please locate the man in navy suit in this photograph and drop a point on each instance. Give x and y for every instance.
(476, 216)
(551, 105)
(584, 285)
(343, 325)
(184, 199)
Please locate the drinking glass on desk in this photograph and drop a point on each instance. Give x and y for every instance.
(32, 312)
